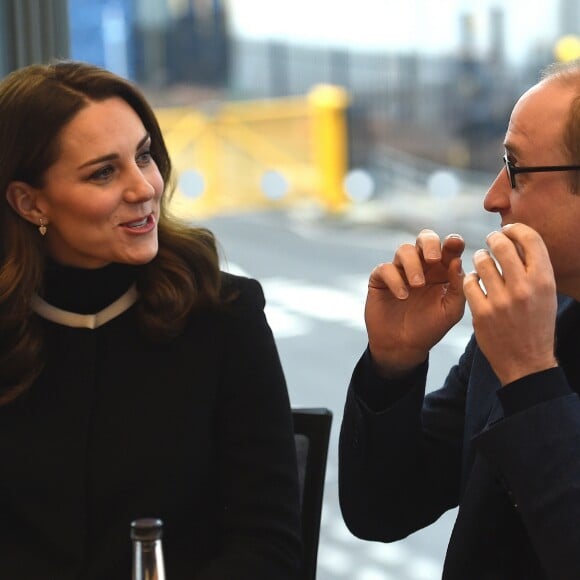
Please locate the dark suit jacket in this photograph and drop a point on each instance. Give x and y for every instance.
(510, 458)
(196, 432)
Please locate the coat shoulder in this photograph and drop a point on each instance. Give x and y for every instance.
(243, 293)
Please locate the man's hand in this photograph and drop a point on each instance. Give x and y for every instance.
(514, 314)
(413, 301)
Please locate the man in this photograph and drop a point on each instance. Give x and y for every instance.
(501, 438)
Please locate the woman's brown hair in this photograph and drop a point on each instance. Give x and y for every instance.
(36, 103)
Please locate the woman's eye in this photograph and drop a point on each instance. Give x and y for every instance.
(144, 158)
(102, 174)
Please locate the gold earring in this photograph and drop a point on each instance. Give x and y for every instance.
(42, 227)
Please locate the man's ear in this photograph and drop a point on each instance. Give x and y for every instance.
(22, 198)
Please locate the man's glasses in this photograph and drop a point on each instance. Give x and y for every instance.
(512, 170)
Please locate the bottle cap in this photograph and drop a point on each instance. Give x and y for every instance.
(146, 529)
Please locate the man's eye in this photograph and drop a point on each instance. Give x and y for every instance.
(511, 160)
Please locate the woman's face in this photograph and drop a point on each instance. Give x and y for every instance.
(100, 199)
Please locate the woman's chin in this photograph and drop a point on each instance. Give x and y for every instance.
(139, 258)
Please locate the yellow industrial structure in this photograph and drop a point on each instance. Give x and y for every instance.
(259, 154)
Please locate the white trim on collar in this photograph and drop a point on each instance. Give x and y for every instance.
(92, 321)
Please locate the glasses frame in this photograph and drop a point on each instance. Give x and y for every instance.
(512, 170)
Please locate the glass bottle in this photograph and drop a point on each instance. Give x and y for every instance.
(146, 536)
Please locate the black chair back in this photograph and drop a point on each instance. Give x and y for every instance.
(312, 436)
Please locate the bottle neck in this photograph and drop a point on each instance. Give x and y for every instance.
(148, 560)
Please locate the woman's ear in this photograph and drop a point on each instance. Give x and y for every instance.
(22, 198)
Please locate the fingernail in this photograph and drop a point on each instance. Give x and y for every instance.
(403, 293)
(491, 234)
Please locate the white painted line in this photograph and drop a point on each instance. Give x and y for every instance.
(393, 554)
(421, 568)
(335, 560)
(369, 573)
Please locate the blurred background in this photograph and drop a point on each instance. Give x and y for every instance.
(313, 137)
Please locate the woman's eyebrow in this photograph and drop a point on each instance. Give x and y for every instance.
(112, 156)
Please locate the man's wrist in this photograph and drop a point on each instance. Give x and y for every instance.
(533, 389)
(396, 367)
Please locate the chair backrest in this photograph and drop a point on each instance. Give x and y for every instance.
(312, 436)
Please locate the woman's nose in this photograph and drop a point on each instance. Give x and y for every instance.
(138, 187)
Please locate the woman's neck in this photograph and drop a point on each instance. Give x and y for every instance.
(86, 291)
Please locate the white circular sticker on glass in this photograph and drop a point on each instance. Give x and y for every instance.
(191, 183)
(274, 184)
(443, 184)
(359, 185)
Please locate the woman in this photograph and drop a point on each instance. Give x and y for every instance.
(136, 380)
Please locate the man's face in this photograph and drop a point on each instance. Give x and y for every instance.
(543, 201)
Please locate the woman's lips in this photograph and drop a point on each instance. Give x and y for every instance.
(136, 224)
(143, 224)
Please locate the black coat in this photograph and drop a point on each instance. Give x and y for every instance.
(510, 458)
(196, 432)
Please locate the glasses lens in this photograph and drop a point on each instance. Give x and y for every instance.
(508, 171)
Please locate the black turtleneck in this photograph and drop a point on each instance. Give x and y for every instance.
(86, 291)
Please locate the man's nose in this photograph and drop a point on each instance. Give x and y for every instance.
(497, 197)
